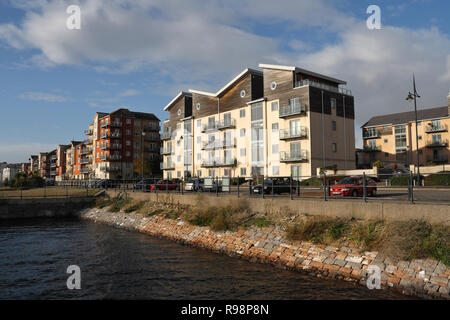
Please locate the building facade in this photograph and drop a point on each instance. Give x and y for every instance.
(281, 121)
(123, 142)
(44, 164)
(391, 138)
(34, 163)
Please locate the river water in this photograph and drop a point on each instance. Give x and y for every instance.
(119, 264)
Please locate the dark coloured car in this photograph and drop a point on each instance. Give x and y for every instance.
(279, 185)
(164, 185)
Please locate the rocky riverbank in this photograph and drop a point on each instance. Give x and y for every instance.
(425, 278)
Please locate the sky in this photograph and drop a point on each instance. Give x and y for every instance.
(139, 54)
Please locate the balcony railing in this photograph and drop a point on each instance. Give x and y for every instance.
(293, 134)
(53, 165)
(104, 146)
(439, 159)
(371, 134)
(166, 135)
(150, 128)
(209, 127)
(437, 143)
(110, 169)
(86, 151)
(166, 152)
(104, 124)
(219, 162)
(292, 110)
(116, 135)
(323, 86)
(114, 157)
(53, 157)
(103, 135)
(436, 128)
(370, 148)
(167, 166)
(88, 132)
(226, 124)
(53, 172)
(85, 170)
(117, 124)
(151, 138)
(115, 146)
(301, 156)
(86, 161)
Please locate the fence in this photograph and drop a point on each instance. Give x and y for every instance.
(48, 192)
(388, 187)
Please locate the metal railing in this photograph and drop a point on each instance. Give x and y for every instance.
(371, 134)
(294, 156)
(226, 124)
(323, 86)
(437, 143)
(286, 134)
(436, 128)
(166, 135)
(291, 110)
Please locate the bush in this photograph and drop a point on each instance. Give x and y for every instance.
(102, 202)
(442, 179)
(402, 180)
(258, 222)
(135, 206)
(119, 202)
(236, 181)
(367, 234)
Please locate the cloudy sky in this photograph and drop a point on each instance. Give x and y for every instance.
(139, 53)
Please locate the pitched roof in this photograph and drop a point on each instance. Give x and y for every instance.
(177, 97)
(131, 114)
(304, 71)
(405, 117)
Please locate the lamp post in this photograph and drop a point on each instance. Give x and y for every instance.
(411, 97)
(142, 154)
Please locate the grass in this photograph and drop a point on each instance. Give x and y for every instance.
(134, 206)
(119, 202)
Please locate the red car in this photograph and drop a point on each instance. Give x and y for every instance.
(353, 187)
(164, 185)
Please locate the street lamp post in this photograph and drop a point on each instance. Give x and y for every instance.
(411, 97)
(142, 154)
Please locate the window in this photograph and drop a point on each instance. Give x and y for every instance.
(273, 85)
(385, 140)
(243, 171)
(211, 173)
(128, 154)
(137, 123)
(333, 103)
(419, 123)
(178, 158)
(243, 152)
(199, 123)
(128, 143)
(199, 156)
(274, 106)
(242, 113)
(178, 174)
(334, 147)
(197, 106)
(199, 139)
(275, 126)
(419, 137)
(227, 119)
(275, 148)
(128, 121)
(333, 125)
(386, 154)
(242, 132)
(179, 112)
(275, 170)
(199, 173)
(243, 93)
(128, 132)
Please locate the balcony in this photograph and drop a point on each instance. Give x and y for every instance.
(166, 152)
(371, 134)
(53, 165)
(209, 127)
(211, 163)
(104, 124)
(166, 135)
(89, 132)
(167, 166)
(85, 170)
(301, 156)
(110, 169)
(292, 110)
(115, 146)
(371, 148)
(437, 143)
(116, 135)
(150, 128)
(86, 161)
(323, 86)
(151, 138)
(300, 133)
(436, 128)
(226, 124)
(117, 124)
(438, 159)
(53, 157)
(104, 135)
(103, 146)
(53, 172)
(85, 151)
(114, 157)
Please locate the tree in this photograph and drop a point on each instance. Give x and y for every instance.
(378, 164)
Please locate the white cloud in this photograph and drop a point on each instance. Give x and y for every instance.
(129, 93)
(42, 96)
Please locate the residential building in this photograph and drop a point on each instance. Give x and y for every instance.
(34, 163)
(61, 161)
(44, 164)
(71, 166)
(52, 160)
(10, 171)
(391, 138)
(122, 142)
(281, 121)
(2, 166)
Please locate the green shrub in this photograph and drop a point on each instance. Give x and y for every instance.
(442, 179)
(258, 222)
(402, 180)
(119, 202)
(367, 234)
(136, 206)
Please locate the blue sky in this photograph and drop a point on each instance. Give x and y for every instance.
(138, 54)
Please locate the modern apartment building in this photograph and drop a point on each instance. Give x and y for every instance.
(44, 164)
(71, 166)
(278, 121)
(34, 163)
(391, 138)
(61, 162)
(52, 160)
(122, 141)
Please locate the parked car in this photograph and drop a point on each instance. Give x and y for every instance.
(106, 183)
(143, 185)
(194, 185)
(353, 187)
(280, 185)
(49, 182)
(164, 185)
